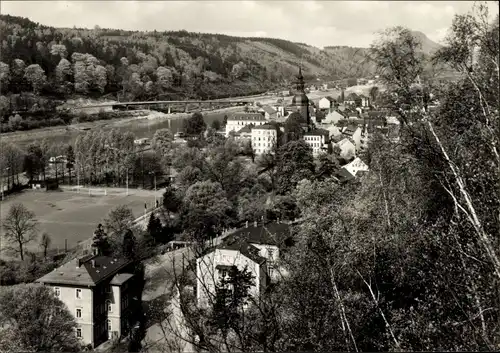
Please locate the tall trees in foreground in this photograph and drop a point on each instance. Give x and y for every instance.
(20, 227)
(406, 258)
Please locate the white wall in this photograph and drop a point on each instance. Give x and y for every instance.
(236, 125)
(324, 103)
(263, 140)
(85, 323)
(207, 274)
(315, 142)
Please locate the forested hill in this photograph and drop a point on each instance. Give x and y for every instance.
(143, 65)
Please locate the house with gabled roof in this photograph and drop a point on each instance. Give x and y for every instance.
(326, 103)
(98, 290)
(241, 119)
(270, 113)
(255, 248)
(353, 131)
(351, 170)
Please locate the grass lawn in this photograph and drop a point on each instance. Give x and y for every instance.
(73, 216)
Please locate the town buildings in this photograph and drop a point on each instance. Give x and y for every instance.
(240, 120)
(318, 140)
(256, 249)
(98, 291)
(326, 103)
(264, 138)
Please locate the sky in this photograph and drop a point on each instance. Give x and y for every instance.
(318, 23)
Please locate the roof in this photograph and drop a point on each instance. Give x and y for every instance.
(247, 117)
(269, 234)
(344, 175)
(121, 278)
(330, 98)
(349, 130)
(352, 96)
(264, 127)
(318, 132)
(268, 109)
(343, 140)
(376, 114)
(245, 248)
(85, 275)
(246, 128)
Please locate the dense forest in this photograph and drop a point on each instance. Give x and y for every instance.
(58, 62)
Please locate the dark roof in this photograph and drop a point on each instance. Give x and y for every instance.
(352, 96)
(271, 233)
(330, 98)
(300, 98)
(318, 132)
(246, 128)
(264, 127)
(344, 175)
(349, 130)
(247, 116)
(245, 248)
(376, 114)
(225, 267)
(86, 275)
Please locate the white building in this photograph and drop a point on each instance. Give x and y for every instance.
(357, 165)
(264, 138)
(347, 148)
(353, 132)
(317, 140)
(255, 248)
(240, 120)
(333, 117)
(326, 103)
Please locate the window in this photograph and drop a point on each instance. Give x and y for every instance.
(79, 332)
(57, 291)
(109, 324)
(78, 294)
(78, 313)
(109, 308)
(108, 289)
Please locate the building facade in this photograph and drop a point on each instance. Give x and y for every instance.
(318, 140)
(98, 291)
(240, 120)
(264, 138)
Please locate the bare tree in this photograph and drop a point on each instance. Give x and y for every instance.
(20, 227)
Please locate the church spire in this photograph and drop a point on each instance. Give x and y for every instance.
(300, 81)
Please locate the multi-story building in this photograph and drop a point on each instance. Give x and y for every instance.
(240, 120)
(255, 248)
(98, 291)
(317, 140)
(264, 138)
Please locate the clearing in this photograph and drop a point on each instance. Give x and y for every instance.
(71, 216)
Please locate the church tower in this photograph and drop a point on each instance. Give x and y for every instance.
(300, 100)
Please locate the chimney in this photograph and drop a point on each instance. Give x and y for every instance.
(78, 264)
(92, 262)
(246, 224)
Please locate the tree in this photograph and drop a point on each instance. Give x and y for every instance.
(70, 160)
(374, 93)
(100, 242)
(224, 121)
(39, 321)
(293, 127)
(5, 76)
(35, 75)
(172, 202)
(20, 227)
(129, 245)
(45, 242)
(33, 161)
(328, 165)
(231, 294)
(205, 210)
(59, 50)
(294, 162)
(162, 142)
(216, 125)
(154, 227)
(194, 125)
(119, 219)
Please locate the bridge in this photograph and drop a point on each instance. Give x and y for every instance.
(169, 104)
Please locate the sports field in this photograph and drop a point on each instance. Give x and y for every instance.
(74, 216)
